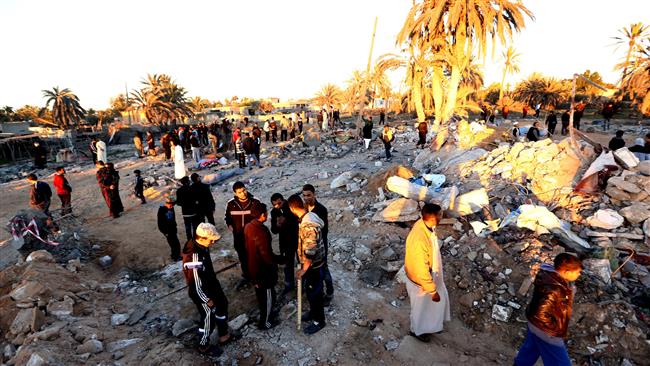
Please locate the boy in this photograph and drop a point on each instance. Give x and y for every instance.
(549, 312)
(138, 190)
(167, 226)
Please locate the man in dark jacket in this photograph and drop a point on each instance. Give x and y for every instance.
(367, 132)
(285, 224)
(551, 122)
(204, 201)
(167, 226)
(312, 205)
(617, 141)
(423, 129)
(40, 195)
(262, 264)
(138, 187)
(187, 200)
(249, 146)
(204, 288)
(40, 155)
(566, 119)
(533, 132)
(238, 214)
(63, 190)
(549, 313)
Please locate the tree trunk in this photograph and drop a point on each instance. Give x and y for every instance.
(436, 85)
(417, 95)
(452, 92)
(503, 80)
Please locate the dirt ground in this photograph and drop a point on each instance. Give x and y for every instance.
(366, 325)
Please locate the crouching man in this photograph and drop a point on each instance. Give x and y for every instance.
(549, 313)
(205, 290)
(425, 282)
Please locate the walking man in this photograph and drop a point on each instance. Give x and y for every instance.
(551, 122)
(285, 224)
(63, 190)
(167, 226)
(40, 194)
(425, 284)
(205, 290)
(187, 200)
(284, 127)
(138, 188)
(203, 196)
(549, 313)
(387, 138)
(312, 205)
(238, 214)
(367, 132)
(262, 264)
(310, 254)
(93, 149)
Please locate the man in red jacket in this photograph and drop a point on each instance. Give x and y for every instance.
(63, 190)
(262, 264)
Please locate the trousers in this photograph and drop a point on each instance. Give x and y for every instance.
(534, 347)
(265, 301)
(314, 283)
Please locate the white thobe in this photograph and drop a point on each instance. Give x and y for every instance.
(101, 151)
(179, 163)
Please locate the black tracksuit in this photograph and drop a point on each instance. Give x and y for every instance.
(288, 237)
(138, 190)
(203, 286)
(186, 199)
(205, 202)
(238, 214)
(262, 268)
(167, 226)
(321, 211)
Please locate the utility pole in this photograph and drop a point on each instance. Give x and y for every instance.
(365, 84)
(128, 110)
(573, 97)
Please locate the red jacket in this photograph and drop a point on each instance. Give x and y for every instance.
(61, 185)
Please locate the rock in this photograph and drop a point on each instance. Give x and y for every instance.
(238, 322)
(362, 252)
(37, 319)
(501, 313)
(605, 219)
(525, 286)
(636, 213)
(121, 344)
(472, 255)
(467, 300)
(624, 185)
(28, 291)
(400, 210)
(352, 187)
(22, 322)
(391, 345)
(119, 319)
(599, 267)
(391, 267)
(9, 351)
(105, 261)
(617, 194)
(9, 255)
(107, 288)
(36, 360)
(323, 175)
(74, 265)
(40, 256)
(181, 326)
(356, 222)
(371, 275)
(138, 314)
(387, 253)
(62, 308)
(644, 167)
(470, 202)
(311, 138)
(91, 346)
(341, 181)
(47, 334)
(626, 158)
(646, 228)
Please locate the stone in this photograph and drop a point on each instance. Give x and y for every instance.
(501, 313)
(646, 228)
(181, 326)
(62, 308)
(391, 345)
(352, 187)
(470, 202)
(107, 288)
(323, 175)
(138, 314)
(626, 158)
(400, 210)
(47, 334)
(472, 255)
(22, 322)
(624, 185)
(9, 255)
(362, 252)
(40, 256)
(599, 267)
(105, 261)
(36, 360)
(644, 167)
(91, 346)
(238, 322)
(121, 344)
(37, 319)
(341, 181)
(525, 286)
(28, 291)
(605, 219)
(617, 194)
(311, 138)
(371, 275)
(636, 213)
(119, 319)
(9, 351)
(387, 253)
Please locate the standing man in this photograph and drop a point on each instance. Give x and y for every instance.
(284, 127)
(102, 153)
(273, 126)
(138, 188)
(213, 139)
(551, 122)
(205, 290)
(40, 155)
(367, 132)
(167, 226)
(93, 149)
(262, 264)
(387, 138)
(250, 149)
(187, 200)
(195, 145)
(179, 160)
(63, 190)
(578, 113)
(312, 205)
(267, 130)
(425, 282)
(285, 224)
(566, 119)
(166, 141)
(382, 117)
(238, 214)
(608, 113)
(203, 196)
(151, 144)
(137, 142)
(310, 254)
(549, 313)
(423, 129)
(40, 194)
(102, 176)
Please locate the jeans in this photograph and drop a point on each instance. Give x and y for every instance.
(387, 147)
(283, 135)
(534, 347)
(314, 283)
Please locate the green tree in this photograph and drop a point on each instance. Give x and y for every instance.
(632, 37)
(510, 66)
(636, 82)
(27, 113)
(546, 91)
(66, 110)
(161, 100)
(329, 94)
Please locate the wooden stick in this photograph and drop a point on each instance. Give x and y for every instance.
(299, 311)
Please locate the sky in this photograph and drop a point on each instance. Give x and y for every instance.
(258, 49)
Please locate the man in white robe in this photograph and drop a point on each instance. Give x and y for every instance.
(179, 161)
(101, 151)
(425, 282)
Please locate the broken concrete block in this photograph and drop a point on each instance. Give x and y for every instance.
(181, 326)
(22, 322)
(121, 344)
(119, 319)
(599, 267)
(470, 202)
(400, 210)
(62, 308)
(40, 256)
(626, 158)
(91, 346)
(644, 167)
(105, 261)
(636, 213)
(501, 313)
(238, 322)
(605, 219)
(341, 181)
(622, 184)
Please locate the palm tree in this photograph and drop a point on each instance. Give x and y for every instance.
(510, 66)
(356, 94)
(198, 104)
(329, 94)
(451, 30)
(637, 81)
(66, 110)
(161, 100)
(632, 37)
(536, 89)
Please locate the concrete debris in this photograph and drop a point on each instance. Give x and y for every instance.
(105, 261)
(122, 344)
(40, 255)
(238, 322)
(501, 313)
(605, 219)
(62, 308)
(119, 319)
(182, 325)
(91, 346)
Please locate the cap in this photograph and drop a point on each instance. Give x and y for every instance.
(207, 231)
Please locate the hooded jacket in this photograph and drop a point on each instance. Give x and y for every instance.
(288, 232)
(310, 239)
(238, 213)
(552, 302)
